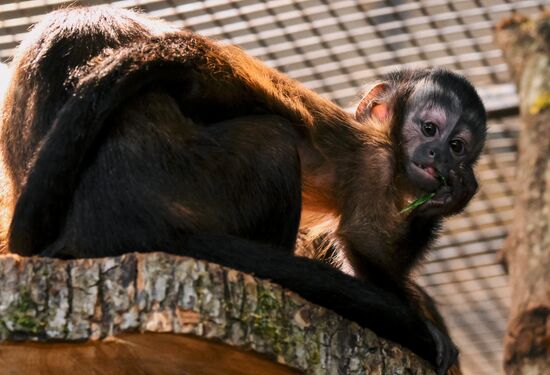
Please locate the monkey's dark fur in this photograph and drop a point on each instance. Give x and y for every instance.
(326, 249)
(121, 134)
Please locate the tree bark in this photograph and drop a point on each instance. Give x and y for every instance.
(96, 314)
(526, 46)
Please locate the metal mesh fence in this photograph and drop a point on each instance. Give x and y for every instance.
(331, 46)
(335, 47)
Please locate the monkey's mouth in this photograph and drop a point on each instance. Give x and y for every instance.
(423, 176)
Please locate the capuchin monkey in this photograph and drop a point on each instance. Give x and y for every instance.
(120, 133)
(435, 127)
(423, 133)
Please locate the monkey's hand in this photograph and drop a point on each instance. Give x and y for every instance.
(446, 352)
(452, 197)
(436, 346)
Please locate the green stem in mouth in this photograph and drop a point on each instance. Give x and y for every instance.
(423, 199)
(417, 202)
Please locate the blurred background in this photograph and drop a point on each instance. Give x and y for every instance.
(336, 46)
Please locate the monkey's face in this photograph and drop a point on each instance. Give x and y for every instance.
(439, 148)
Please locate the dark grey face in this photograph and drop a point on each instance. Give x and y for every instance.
(437, 137)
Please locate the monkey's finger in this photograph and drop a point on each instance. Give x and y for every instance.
(464, 187)
(469, 187)
(470, 181)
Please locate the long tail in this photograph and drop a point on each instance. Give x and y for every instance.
(372, 307)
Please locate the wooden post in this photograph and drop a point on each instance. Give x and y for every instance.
(164, 314)
(526, 46)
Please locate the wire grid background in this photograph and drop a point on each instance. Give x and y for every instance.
(335, 47)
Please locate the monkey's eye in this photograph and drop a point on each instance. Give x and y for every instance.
(457, 146)
(429, 129)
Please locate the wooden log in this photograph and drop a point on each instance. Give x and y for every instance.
(164, 314)
(526, 47)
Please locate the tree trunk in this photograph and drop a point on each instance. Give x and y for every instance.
(526, 47)
(106, 315)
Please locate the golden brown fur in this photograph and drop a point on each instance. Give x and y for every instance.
(329, 133)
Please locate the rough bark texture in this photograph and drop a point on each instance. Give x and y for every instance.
(526, 46)
(48, 300)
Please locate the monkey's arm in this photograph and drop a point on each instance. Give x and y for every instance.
(370, 224)
(423, 223)
(381, 243)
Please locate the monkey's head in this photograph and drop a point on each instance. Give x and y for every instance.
(437, 123)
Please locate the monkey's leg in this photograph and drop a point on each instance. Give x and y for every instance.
(157, 175)
(259, 169)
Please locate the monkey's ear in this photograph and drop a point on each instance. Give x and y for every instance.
(374, 104)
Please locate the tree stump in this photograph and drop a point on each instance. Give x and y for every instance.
(164, 314)
(526, 47)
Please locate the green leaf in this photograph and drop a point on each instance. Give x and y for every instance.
(418, 202)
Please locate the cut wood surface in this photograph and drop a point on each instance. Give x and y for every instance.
(146, 353)
(164, 314)
(526, 47)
